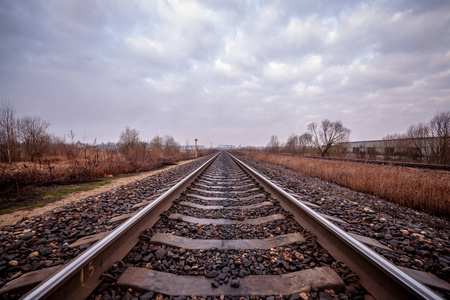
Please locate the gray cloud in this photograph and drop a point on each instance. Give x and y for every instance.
(229, 72)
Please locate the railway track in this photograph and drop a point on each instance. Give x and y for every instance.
(227, 231)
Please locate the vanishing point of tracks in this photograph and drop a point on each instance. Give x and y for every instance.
(225, 231)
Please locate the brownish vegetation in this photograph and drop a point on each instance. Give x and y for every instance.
(27, 184)
(29, 156)
(34, 163)
(423, 190)
(87, 164)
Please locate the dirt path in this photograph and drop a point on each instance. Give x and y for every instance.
(13, 217)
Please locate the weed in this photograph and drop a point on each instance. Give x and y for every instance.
(423, 190)
(62, 191)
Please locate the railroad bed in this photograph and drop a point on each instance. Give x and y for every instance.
(225, 232)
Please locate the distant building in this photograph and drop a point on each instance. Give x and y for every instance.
(192, 147)
(394, 149)
(107, 146)
(225, 147)
(80, 145)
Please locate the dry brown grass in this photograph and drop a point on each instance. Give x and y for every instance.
(83, 167)
(423, 190)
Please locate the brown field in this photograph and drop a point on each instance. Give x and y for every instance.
(423, 190)
(84, 166)
(27, 184)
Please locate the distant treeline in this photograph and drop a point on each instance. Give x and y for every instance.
(423, 142)
(29, 155)
(27, 139)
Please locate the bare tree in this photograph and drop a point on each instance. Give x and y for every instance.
(273, 145)
(297, 144)
(418, 137)
(440, 131)
(57, 145)
(304, 141)
(422, 142)
(291, 144)
(171, 147)
(394, 145)
(157, 143)
(9, 148)
(328, 135)
(129, 143)
(33, 136)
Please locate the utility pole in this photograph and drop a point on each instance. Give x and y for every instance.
(196, 148)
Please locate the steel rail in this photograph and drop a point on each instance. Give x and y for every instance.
(80, 277)
(379, 276)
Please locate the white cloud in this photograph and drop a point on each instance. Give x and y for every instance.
(245, 68)
(168, 84)
(146, 47)
(304, 34)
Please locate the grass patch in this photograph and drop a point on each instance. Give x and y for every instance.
(59, 192)
(13, 209)
(25, 187)
(33, 197)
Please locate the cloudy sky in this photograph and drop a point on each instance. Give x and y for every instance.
(225, 72)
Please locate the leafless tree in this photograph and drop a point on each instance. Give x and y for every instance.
(33, 136)
(418, 137)
(171, 147)
(393, 146)
(273, 145)
(291, 144)
(9, 148)
(327, 135)
(422, 142)
(440, 131)
(297, 144)
(304, 141)
(157, 143)
(57, 145)
(129, 143)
